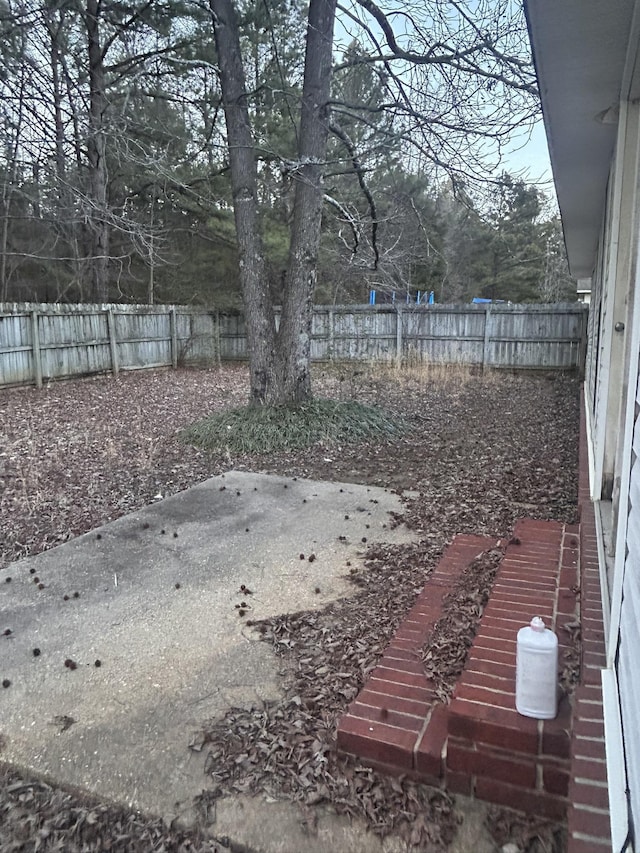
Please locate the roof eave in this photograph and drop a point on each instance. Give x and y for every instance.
(579, 49)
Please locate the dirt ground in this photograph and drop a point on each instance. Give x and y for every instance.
(481, 451)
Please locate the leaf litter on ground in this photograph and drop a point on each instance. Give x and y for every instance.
(479, 452)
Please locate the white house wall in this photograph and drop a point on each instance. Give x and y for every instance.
(625, 639)
(617, 263)
(613, 404)
(622, 303)
(594, 384)
(587, 55)
(593, 335)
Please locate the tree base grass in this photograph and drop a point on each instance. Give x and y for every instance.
(265, 429)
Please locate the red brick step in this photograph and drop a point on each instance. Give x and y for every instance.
(396, 721)
(478, 744)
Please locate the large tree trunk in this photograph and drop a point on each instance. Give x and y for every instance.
(279, 364)
(294, 339)
(258, 307)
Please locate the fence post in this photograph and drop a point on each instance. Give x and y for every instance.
(173, 328)
(113, 343)
(37, 355)
(217, 339)
(487, 338)
(399, 335)
(331, 335)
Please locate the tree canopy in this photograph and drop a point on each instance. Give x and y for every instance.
(114, 168)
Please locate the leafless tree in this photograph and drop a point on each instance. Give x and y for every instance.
(279, 363)
(457, 80)
(70, 67)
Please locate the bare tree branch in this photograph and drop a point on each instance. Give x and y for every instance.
(343, 136)
(351, 220)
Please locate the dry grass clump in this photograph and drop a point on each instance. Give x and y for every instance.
(265, 429)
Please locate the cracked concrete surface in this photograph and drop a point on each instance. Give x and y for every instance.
(158, 600)
(158, 595)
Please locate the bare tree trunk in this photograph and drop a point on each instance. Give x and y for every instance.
(280, 365)
(96, 152)
(65, 221)
(294, 338)
(5, 208)
(8, 190)
(54, 28)
(151, 290)
(259, 315)
(4, 234)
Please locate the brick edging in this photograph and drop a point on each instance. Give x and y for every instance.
(396, 722)
(494, 753)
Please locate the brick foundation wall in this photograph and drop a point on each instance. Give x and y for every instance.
(588, 818)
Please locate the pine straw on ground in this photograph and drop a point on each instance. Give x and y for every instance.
(481, 452)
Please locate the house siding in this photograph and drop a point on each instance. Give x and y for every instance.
(626, 644)
(613, 404)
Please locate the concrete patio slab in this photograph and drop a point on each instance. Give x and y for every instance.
(145, 613)
(157, 605)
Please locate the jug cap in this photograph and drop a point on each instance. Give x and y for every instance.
(537, 624)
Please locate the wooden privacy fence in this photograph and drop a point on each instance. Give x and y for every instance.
(40, 342)
(494, 335)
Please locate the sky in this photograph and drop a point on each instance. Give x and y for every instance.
(529, 158)
(532, 156)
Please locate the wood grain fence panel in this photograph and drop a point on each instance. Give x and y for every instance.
(73, 344)
(144, 340)
(233, 341)
(16, 349)
(196, 337)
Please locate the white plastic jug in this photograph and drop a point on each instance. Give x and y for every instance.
(537, 671)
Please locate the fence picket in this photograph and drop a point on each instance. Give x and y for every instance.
(36, 351)
(113, 342)
(174, 338)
